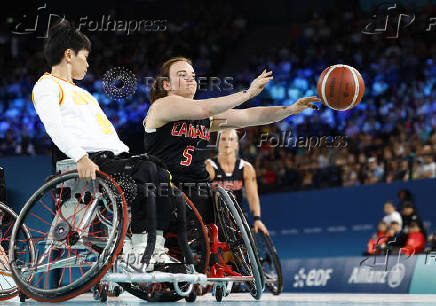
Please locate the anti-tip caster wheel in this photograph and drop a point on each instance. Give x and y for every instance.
(95, 293)
(219, 293)
(103, 294)
(22, 297)
(117, 291)
(192, 296)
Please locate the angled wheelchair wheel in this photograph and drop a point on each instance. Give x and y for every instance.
(238, 239)
(8, 217)
(251, 236)
(198, 241)
(77, 230)
(270, 261)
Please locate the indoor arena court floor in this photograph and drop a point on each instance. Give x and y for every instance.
(240, 299)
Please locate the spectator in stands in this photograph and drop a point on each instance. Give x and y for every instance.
(405, 196)
(397, 238)
(377, 243)
(349, 176)
(409, 216)
(426, 167)
(432, 241)
(9, 144)
(391, 215)
(402, 174)
(375, 172)
(415, 240)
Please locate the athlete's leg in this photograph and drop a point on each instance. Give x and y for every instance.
(201, 195)
(151, 211)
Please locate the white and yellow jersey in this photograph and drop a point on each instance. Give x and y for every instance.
(73, 118)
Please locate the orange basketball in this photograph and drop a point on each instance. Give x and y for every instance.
(340, 87)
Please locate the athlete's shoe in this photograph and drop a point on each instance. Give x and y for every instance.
(134, 249)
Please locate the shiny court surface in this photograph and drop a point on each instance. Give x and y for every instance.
(267, 299)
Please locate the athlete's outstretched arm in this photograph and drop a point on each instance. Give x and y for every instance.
(210, 169)
(239, 118)
(173, 107)
(250, 185)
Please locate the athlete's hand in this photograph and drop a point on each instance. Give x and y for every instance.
(304, 103)
(259, 83)
(259, 226)
(86, 168)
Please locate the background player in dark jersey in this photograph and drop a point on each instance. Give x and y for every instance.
(177, 127)
(233, 173)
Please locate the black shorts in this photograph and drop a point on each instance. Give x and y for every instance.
(201, 196)
(144, 172)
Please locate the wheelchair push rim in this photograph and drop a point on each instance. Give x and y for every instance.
(8, 217)
(238, 239)
(251, 236)
(270, 261)
(76, 234)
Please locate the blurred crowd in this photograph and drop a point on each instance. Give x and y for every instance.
(401, 230)
(389, 136)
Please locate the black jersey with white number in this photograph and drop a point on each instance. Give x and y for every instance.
(182, 146)
(230, 181)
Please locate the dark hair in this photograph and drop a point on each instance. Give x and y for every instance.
(406, 193)
(157, 91)
(408, 204)
(61, 37)
(395, 222)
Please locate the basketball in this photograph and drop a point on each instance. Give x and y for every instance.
(340, 87)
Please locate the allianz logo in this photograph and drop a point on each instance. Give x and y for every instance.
(313, 278)
(366, 275)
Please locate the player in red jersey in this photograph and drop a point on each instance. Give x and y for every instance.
(234, 174)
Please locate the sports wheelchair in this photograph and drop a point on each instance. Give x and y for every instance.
(239, 242)
(270, 262)
(69, 236)
(8, 217)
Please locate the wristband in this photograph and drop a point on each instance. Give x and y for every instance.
(256, 218)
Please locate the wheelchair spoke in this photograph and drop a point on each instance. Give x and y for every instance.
(63, 271)
(75, 236)
(86, 206)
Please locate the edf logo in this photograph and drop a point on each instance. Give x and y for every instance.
(313, 278)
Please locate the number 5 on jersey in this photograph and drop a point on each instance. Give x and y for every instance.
(188, 156)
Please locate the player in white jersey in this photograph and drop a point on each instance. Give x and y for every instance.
(77, 125)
